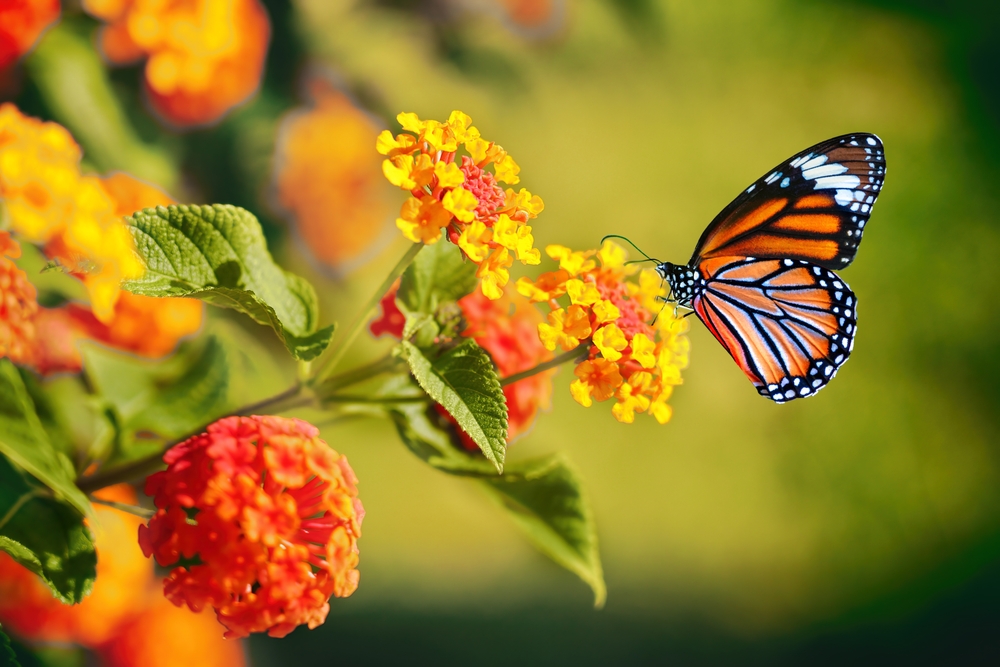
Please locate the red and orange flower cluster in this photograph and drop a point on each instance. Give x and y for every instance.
(125, 620)
(630, 359)
(77, 221)
(507, 329)
(21, 24)
(271, 515)
(203, 56)
(458, 195)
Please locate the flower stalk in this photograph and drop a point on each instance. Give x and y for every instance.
(331, 363)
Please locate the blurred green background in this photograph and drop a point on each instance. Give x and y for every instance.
(860, 526)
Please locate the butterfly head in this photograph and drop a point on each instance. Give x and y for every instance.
(685, 283)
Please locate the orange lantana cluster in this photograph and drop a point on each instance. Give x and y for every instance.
(123, 618)
(49, 202)
(326, 179)
(611, 313)
(21, 23)
(272, 516)
(203, 56)
(77, 220)
(458, 195)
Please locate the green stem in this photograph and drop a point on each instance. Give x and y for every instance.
(331, 364)
(360, 374)
(374, 399)
(131, 509)
(551, 363)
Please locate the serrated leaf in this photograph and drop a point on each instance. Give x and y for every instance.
(24, 441)
(218, 254)
(544, 498)
(7, 656)
(45, 535)
(439, 273)
(465, 383)
(430, 440)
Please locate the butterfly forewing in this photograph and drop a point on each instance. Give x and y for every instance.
(812, 207)
(789, 324)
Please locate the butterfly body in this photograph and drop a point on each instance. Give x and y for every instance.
(762, 277)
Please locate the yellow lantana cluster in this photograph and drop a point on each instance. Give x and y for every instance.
(48, 202)
(611, 309)
(454, 193)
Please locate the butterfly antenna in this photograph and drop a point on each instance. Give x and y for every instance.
(618, 236)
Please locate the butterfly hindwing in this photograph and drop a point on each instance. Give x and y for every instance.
(789, 324)
(811, 207)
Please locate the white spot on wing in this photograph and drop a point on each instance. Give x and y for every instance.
(834, 169)
(843, 181)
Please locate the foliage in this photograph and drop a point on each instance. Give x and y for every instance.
(218, 254)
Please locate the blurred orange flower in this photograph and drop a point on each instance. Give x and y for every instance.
(49, 202)
(327, 179)
(124, 583)
(166, 636)
(278, 520)
(125, 618)
(41, 186)
(21, 24)
(203, 56)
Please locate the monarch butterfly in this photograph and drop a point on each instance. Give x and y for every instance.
(762, 274)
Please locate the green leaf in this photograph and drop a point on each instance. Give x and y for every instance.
(169, 399)
(438, 274)
(7, 656)
(427, 435)
(218, 254)
(544, 498)
(196, 398)
(465, 383)
(23, 440)
(45, 535)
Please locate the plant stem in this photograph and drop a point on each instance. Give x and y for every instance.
(374, 399)
(551, 363)
(361, 373)
(291, 397)
(331, 364)
(131, 509)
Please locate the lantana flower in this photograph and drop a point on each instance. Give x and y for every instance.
(444, 167)
(259, 519)
(203, 56)
(599, 301)
(326, 179)
(507, 329)
(50, 203)
(77, 220)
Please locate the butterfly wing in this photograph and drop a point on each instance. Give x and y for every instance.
(811, 207)
(789, 324)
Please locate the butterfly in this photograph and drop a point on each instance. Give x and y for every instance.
(762, 278)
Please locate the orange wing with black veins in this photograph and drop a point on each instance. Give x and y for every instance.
(789, 324)
(811, 207)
